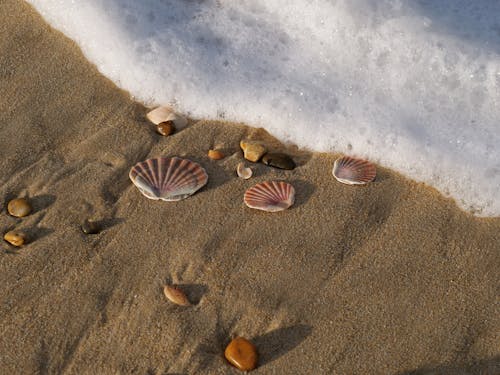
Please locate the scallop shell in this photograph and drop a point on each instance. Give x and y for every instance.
(168, 179)
(270, 196)
(243, 172)
(163, 114)
(353, 171)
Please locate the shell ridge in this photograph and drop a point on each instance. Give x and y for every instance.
(145, 174)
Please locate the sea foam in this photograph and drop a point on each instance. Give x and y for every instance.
(413, 85)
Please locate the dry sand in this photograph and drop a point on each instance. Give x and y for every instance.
(391, 278)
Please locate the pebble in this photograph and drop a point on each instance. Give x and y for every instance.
(166, 128)
(175, 295)
(252, 151)
(90, 227)
(14, 238)
(278, 160)
(242, 354)
(215, 154)
(19, 207)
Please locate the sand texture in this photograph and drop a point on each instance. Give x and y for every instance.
(391, 278)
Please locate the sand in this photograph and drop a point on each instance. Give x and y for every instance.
(391, 278)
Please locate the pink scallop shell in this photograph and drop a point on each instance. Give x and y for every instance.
(353, 171)
(168, 179)
(271, 196)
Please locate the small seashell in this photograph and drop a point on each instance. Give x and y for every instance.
(243, 172)
(242, 354)
(215, 154)
(163, 114)
(14, 238)
(353, 171)
(19, 207)
(252, 151)
(166, 128)
(175, 295)
(168, 179)
(90, 227)
(271, 196)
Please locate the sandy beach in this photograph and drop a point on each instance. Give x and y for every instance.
(388, 278)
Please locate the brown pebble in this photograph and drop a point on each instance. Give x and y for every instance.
(90, 227)
(175, 295)
(252, 151)
(14, 238)
(242, 354)
(166, 128)
(19, 207)
(215, 154)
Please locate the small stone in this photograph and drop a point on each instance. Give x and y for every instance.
(19, 207)
(175, 295)
(278, 160)
(90, 227)
(242, 354)
(166, 128)
(252, 151)
(215, 154)
(14, 238)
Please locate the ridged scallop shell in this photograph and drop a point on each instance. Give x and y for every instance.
(243, 172)
(163, 114)
(168, 179)
(271, 196)
(353, 171)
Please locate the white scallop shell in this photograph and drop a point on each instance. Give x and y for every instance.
(168, 179)
(243, 172)
(162, 114)
(353, 171)
(270, 196)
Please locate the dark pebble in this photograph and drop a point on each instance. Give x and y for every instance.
(278, 160)
(90, 227)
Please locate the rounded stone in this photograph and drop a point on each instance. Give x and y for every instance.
(166, 128)
(252, 151)
(278, 160)
(14, 238)
(242, 354)
(19, 207)
(90, 227)
(215, 154)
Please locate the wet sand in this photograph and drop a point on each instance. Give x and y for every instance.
(390, 278)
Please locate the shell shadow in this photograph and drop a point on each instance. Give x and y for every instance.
(105, 224)
(41, 202)
(303, 191)
(194, 292)
(277, 343)
(36, 233)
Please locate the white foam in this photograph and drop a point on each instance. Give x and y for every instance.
(413, 85)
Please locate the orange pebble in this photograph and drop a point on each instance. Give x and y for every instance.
(215, 155)
(242, 354)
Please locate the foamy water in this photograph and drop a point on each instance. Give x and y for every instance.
(413, 85)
